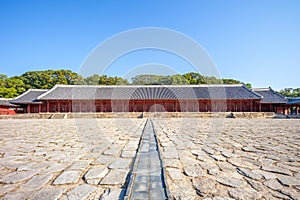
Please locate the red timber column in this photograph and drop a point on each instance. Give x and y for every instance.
(251, 109)
(187, 106)
(80, 106)
(58, 106)
(259, 107)
(28, 108)
(47, 106)
(40, 108)
(69, 106)
(133, 106)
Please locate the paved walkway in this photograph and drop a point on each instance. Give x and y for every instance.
(209, 159)
(148, 178)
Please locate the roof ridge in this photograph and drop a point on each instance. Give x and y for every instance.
(5, 99)
(200, 85)
(261, 89)
(34, 89)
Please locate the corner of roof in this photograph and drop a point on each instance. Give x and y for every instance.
(253, 91)
(277, 93)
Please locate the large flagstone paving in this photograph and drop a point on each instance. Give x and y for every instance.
(204, 158)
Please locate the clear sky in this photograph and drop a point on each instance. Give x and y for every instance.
(256, 41)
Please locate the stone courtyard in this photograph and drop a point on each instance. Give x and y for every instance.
(204, 158)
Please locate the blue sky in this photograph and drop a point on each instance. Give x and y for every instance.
(252, 41)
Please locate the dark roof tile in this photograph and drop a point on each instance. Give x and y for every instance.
(86, 92)
(28, 97)
(5, 103)
(294, 100)
(270, 96)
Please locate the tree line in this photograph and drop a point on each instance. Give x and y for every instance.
(290, 92)
(13, 86)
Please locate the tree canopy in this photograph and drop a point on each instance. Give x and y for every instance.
(191, 78)
(290, 92)
(13, 86)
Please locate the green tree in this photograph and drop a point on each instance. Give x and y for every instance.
(230, 81)
(92, 80)
(178, 79)
(290, 92)
(11, 87)
(194, 78)
(49, 78)
(3, 77)
(109, 80)
(248, 85)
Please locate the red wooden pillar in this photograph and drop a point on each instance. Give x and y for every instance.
(58, 106)
(80, 106)
(133, 106)
(47, 106)
(259, 107)
(28, 108)
(40, 107)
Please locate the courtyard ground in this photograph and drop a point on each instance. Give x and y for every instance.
(205, 158)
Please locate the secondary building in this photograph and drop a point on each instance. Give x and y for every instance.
(272, 101)
(294, 105)
(28, 101)
(7, 108)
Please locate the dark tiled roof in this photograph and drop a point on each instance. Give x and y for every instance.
(5, 103)
(84, 92)
(28, 97)
(270, 96)
(295, 100)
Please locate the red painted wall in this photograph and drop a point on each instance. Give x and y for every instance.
(7, 111)
(151, 106)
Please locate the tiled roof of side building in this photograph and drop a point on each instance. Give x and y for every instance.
(270, 96)
(142, 92)
(28, 97)
(5, 103)
(294, 100)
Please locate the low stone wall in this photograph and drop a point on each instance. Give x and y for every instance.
(140, 115)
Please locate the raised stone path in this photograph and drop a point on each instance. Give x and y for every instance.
(211, 159)
(148, 177)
